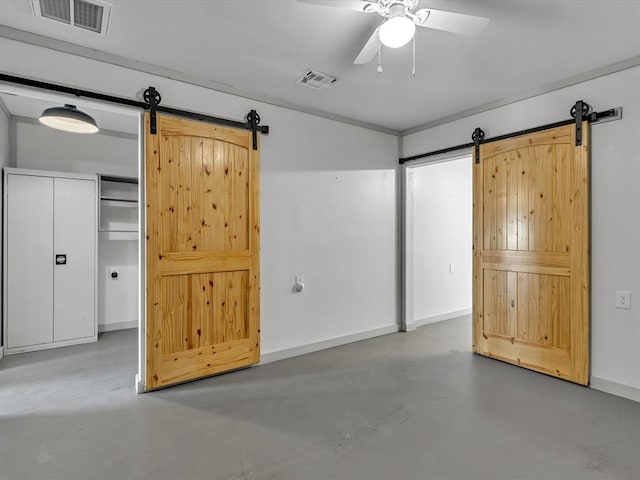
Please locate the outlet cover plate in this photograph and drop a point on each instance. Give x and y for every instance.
(623, 299)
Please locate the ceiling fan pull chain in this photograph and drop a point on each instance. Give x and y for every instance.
(380, 59)
(413, 71)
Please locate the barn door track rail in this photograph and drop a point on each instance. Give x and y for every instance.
(580, 112)
(151, 103)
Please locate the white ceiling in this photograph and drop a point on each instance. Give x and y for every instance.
(263, 46)
(24, 106)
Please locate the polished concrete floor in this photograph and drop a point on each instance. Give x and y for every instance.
(403, 406)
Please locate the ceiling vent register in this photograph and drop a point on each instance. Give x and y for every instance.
(88, 15)
(316, 80)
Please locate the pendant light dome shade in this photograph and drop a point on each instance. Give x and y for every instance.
(68, 119)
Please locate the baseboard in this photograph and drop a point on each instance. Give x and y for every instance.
(139, 384)
(409, 327)
(442, 316)
(324, 344)
(110, 327)
(615, 388)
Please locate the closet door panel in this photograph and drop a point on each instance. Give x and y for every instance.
(75, 231)
(29, 260)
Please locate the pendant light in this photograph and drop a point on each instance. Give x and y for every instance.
(68, 119)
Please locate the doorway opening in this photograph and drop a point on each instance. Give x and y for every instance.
(105, 165)
(438, 242)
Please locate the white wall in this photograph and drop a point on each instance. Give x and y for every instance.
(4, 139)
(43, 148)
(442, 235)
(4, 162)
(328, 202)
(615, 227)
(117, 298)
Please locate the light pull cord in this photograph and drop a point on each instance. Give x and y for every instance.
(380, 59)
(413, 71)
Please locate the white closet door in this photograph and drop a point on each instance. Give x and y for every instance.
(30, 260)
(75, 230)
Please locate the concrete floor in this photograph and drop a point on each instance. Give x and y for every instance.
(403, 406)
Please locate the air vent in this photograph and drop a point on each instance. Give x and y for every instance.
(87, 15)
(59, 10)
(316, 80)
(92, 15)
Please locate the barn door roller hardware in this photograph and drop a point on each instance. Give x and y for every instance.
(253, 119)
(477, 137)
(151, 103)
(152, 100)
(580, 112)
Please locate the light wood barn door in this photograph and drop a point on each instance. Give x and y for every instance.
(203, 300)
(531, 257)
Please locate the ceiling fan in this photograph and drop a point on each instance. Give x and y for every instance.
(401, 19)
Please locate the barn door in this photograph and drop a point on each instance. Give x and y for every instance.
(531, 258)
(202, 251)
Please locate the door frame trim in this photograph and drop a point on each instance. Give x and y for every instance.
(142, 259)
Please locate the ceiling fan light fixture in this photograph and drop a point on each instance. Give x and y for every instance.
(68, 119)
(397, 31)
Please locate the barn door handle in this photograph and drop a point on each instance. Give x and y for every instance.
(61, 259)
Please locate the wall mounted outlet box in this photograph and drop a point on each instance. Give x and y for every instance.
(623, 299)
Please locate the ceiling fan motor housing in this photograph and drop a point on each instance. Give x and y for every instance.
(387, 8)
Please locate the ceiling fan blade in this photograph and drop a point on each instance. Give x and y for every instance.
(369, 50)
(451, 22)
(359, 6)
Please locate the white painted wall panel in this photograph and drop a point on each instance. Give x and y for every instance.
(40, 147)
(29, 237)
(74, 236)
(615, 196)
(117, 298)
(4, 139)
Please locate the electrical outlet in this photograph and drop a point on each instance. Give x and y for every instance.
(113, 273)
(623, 299)
(451, 268)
